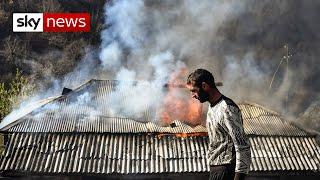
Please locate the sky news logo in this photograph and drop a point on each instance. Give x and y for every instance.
(51, 22)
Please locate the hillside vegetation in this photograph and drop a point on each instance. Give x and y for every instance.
(27, 58)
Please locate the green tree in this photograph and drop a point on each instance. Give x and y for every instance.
(16, 91)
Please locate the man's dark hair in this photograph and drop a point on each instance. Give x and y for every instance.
(199, 76)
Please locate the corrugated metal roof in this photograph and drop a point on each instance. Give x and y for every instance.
(145, 153)
(101, 124)
(104, 153)
(284, 153)
(257, 120)
(75, 142)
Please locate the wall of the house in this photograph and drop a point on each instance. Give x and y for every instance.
(163, 176)
(178, 176)
(284, 177)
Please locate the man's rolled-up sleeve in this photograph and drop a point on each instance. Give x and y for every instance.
(234, 124)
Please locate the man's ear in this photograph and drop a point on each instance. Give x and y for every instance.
(204, 86)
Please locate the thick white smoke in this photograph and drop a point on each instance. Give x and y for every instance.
(146, 41)
(149, 41)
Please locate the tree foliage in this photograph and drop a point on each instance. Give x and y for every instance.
(40, 55)
(17, 90)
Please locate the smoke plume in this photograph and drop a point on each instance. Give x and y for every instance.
(240, 42)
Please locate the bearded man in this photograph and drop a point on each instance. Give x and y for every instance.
(229, 149)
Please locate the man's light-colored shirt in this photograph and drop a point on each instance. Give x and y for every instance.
(227, 139)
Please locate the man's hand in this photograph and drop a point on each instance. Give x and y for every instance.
(239, 176)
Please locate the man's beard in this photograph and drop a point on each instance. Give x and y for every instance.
(203, 96)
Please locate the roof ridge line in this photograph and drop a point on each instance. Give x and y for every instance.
(307, 130)
(294, 136)
(283, 119)
(53, 98)
(260, 106)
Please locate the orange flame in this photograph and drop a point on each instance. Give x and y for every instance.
(178, 103)
(182, 135)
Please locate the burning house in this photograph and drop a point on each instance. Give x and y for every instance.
(63, 138)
